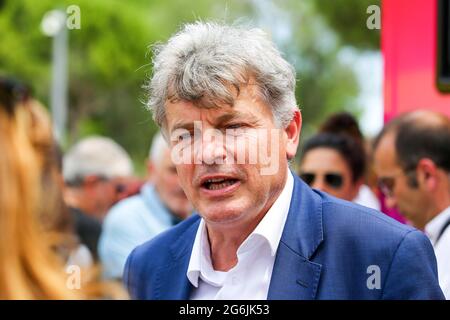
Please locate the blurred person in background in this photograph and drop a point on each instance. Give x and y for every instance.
(93, 170)
(54, 214)
(160, 205)
(29, 268)
(412, 160)
(34, 228)
(344, 123)
(335, 164)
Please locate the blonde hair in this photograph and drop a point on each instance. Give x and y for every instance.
(29, 266)
(29, 269)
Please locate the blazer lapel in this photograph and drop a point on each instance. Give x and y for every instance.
(294, 276)
(172, 282)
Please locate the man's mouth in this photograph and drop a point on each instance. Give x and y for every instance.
(218, 183)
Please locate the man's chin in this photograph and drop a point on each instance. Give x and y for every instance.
(219, 215)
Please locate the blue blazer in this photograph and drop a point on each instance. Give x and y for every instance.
(329, 249)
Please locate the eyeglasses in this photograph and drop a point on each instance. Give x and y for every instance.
(120, 188)
(387, 184)
(11, 93)
(334, 180)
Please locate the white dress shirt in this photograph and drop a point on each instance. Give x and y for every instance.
(250, 277)
(441, 248)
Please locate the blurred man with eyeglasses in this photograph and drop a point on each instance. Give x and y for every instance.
(412, 160)
(94, 170)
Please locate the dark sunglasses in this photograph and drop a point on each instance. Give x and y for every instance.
(12, 93)
(334, 180)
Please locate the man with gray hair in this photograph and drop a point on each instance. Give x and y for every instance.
(160, 204)
(93, 170)
(225, 99)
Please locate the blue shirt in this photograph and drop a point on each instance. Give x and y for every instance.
(128, 224)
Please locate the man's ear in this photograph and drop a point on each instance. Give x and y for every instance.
(293, 134)
(427, 172)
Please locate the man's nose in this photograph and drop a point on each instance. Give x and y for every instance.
(212, 149)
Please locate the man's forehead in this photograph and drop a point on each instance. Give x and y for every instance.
(385, 154)
(387, 143)
(185, 114)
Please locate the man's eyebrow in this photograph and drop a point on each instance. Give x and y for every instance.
(182, 125)
(230, 116)
(220, 120)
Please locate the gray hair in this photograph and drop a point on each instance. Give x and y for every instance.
(204, 62)
(157, 149)
(99, 156)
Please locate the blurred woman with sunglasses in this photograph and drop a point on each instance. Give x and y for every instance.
(335, 163)
(31, 264)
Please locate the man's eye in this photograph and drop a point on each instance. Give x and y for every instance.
(235, 126)
(183, 137)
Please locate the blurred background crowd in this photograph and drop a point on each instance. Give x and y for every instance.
(88, 178)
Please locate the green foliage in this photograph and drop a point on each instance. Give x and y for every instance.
(348, 19)
(109, 56)
(108, 60)
(324, 83)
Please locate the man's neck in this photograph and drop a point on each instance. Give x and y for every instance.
(225, 240)
(439, 203)
(441, 196)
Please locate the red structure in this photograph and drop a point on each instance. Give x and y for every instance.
(416, 58)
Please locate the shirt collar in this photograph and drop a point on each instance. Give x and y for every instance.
(200, 264)
(269, 230)
(433, 228)
(271, 226)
